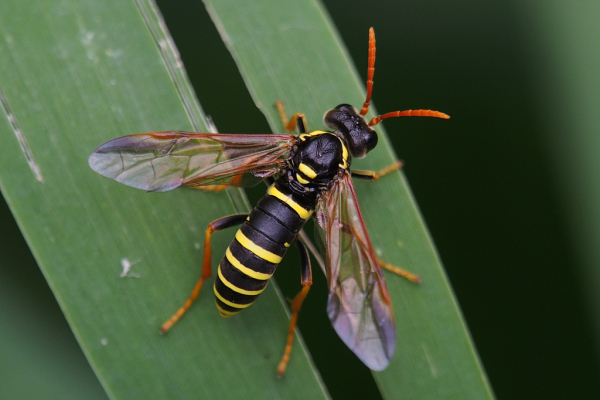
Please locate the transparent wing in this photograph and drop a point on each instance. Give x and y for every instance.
(161, 161)
(359, 305)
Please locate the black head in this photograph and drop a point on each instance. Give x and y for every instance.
(348, 123)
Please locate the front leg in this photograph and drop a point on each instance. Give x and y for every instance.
(298, 120)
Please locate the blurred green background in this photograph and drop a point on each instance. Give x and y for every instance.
(508, 187)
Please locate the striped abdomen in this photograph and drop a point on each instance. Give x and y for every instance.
(258, 247)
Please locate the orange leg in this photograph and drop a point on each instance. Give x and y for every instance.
(397, 270)
(236, 180)
(298, 120)
(295, 306)
(213, 227)
(213, 188)
(375, 175)
(372, 175)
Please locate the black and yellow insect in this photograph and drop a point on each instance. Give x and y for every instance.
(310, 176)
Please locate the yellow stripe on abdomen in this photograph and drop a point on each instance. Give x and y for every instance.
(245, 270)
(302, 212)
(227, 302)
(256, 249)
(224, 313)
(238, 289)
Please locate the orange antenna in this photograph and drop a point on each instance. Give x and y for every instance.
(409, 113)
(370, 72)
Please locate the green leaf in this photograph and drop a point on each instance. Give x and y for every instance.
(80, 73)
(289, 51)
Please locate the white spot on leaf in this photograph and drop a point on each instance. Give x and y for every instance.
(126, 265)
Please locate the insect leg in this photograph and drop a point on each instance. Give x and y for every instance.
(297, 121)
(375, 175)
(392, 268)
(296, 304)
(236, 180)
(216, 225)
(312, 248)
(399, 271)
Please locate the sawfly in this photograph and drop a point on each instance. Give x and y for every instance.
(310, 176)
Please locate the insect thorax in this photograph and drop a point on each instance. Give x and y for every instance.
(316, 162)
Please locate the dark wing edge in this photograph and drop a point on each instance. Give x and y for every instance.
(161, 161)
(359, 305)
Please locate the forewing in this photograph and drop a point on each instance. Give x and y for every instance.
(358, 306)
(161, 161)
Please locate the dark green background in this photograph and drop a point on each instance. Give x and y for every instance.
(484, 183)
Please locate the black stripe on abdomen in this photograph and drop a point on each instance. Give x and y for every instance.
(254, 254)
(243, 275)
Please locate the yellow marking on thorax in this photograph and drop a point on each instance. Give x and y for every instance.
(256, 249)
(302, 212)
(229, 303)
(245, 270)
(308, 171)
(344, 164)
(301, 180)
(304, 136)
(235, 288)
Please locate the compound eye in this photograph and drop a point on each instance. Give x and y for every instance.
(371, 140)
(363, 142)
(344, 107)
